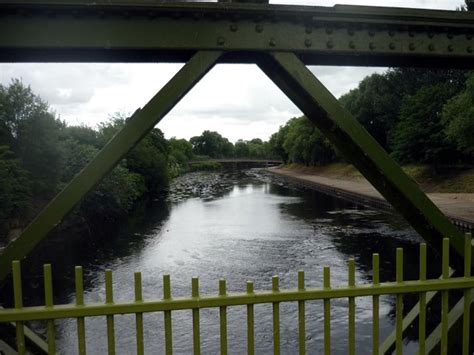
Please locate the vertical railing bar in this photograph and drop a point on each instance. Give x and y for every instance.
(48, 301)
(139, 316)
(167, 316)
(223, 318)
(351, 334)
(18, 300)
(399, 304)
(422, 298)
(301, 316)
(467, 295)
(109, 299)
(276, 317)
(327, 312)
(375, 305)
(81, 328)
(196, 321)
(444, 299)
(250, 322)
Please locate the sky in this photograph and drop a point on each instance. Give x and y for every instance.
(238, 101)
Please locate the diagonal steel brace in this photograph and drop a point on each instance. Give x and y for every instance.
(290, 74)
(142, 121)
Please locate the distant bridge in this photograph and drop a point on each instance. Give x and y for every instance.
(243, 161)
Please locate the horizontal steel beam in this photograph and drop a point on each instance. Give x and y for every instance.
(145, 31)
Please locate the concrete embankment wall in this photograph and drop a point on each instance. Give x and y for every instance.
(352, 196)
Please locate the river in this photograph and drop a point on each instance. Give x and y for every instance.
(237, 225)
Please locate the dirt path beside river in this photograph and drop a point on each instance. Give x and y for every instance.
(458, 206)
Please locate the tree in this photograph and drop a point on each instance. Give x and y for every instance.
(458, 118)
(15, 192)
(213, 145)
(32, 133)
(420, 135)
(375, 104)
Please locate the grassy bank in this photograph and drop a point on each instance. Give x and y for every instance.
(447, 179)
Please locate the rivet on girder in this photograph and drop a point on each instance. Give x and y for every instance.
(371, 33)
(259, 28)
(234, 27)
(272, 42)
(329, 44)
(220, 41)
(430, 34)
(308, 42)
(431, 47)
(391, 33)
(450, 48)
(372, 45)
(469, 49)
(329, 30)
(309, 30)
(391, 46)
(412, 46)
(352, 45)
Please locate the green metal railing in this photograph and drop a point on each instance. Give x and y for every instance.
(80, 310)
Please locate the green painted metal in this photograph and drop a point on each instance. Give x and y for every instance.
(347, 134)
(375, 305)
(196, 318)
(18, 299)
(81, 327)
(276, 318)
(301, 317)
(467, 297)
(445, 299)
(351, 336)
(275, 296)
(418, 311)
(399, 304)
(137, 278)
(168, 321)
(150, 31)
(250, 321)
(109, 299)
(223, 318)
(327, 311)
(141, 122)
(48, 299)
(422, 302)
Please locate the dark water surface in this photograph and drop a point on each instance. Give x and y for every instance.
(241, 225)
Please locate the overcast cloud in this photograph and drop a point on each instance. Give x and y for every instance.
(238, 101)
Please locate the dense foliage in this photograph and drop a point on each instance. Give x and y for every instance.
(418, 116)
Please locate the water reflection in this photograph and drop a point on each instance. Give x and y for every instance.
(239, 226)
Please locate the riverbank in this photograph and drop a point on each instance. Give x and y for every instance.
(459, 207)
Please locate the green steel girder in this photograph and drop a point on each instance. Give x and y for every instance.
(144, 31)
(141, 122)
(356, 144)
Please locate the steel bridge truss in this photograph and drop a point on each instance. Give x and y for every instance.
(281, 40)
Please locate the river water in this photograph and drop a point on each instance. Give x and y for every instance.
(236, 225)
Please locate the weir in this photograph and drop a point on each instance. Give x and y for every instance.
(282, 41)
